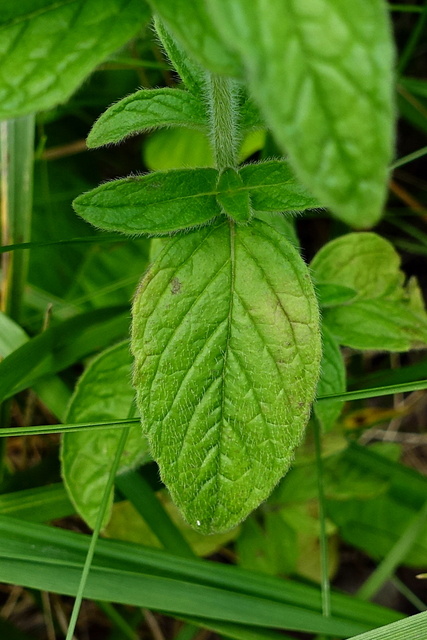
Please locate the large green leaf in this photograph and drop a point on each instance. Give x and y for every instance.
(48, 47)
(382, 314)
(147, 109)
(104, 392)
(191, 24)
(321, 71)
(227, 350)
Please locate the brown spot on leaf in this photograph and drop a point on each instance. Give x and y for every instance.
(175, 286)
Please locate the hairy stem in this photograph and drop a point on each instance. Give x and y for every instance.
(223, 111)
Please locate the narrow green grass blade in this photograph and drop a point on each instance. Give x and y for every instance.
(41, 504)
(409, 158)
(413, 628)
(119, 622)
(95, 534)
(136, 489)
(25, 546)
(60, 346)
(395, 557)
(121, 423)
(51, 243)
(324, 556)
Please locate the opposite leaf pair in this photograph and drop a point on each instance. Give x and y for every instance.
(166, 201)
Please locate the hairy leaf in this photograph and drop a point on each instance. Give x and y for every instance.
(332, 380)
(47, 48)
(232, 197)
(227, 352)
(157, 203)
(273, 187)
(190, 73)
(104, 392)
(147, 109)
(192, 25)
(321, 72)
(383, 314)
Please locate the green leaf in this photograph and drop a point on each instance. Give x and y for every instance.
(332, 295)
(332, 380)
(190, 73)
(48, 47)
(60, 346)
(40, 504)
(227, 352)
(284, 224)
(147, 109)
(50, 559)
(232, 198)
(157, 203)
(181, 148)
(377, 324)
(103, 392)
(322, 74)
(192, 25)
(365, 262)
(22, 541)
(273, 187)
(383, 314)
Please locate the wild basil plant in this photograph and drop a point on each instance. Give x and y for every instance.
(226, 332)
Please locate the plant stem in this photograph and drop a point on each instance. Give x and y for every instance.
(324, 555)
(17, 155)
(223, 112)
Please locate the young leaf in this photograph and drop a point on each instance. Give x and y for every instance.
(227, 352)
(322, 73)
(147, 109)
(104, 392)
(273, 187)
(382, 314)
(157, 203)
(232, 198)
(47, 49)
(190, 73)
(364, 262)
(332, 295)
(377, 324)
(192, 25)
(332, 380)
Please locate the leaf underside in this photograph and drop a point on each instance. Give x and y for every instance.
(227, 349)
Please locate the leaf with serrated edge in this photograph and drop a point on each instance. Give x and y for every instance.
(227, 352)
(332, 380)
(273, 187)
(104, 392)
(191, 24)
(147, 109)
(157, 203)
(46, 52)
(322, 73)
